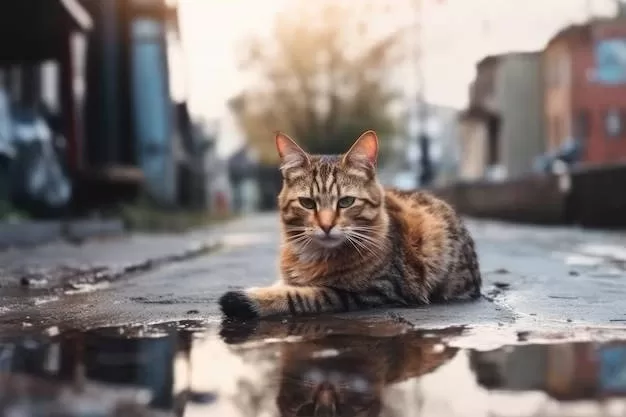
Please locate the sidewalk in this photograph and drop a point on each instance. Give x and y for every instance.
(37, 232)
(35, 275)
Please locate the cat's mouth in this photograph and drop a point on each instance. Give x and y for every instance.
(329, 241)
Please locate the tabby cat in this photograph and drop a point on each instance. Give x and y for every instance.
(348, 244)
(340, 369)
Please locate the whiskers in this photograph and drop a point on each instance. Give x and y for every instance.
(367, 241)
(297, 236)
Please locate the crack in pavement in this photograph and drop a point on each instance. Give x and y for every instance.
(65, 279)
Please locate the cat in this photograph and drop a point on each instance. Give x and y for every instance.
(344, 367)
(349, 244)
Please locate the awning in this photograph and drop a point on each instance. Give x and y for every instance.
(34, 30)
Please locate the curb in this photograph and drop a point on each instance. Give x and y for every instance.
(69, 280)
(29, 234)
(34, 233)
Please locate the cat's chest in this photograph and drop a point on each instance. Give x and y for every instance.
(332, 272)
(306, 273)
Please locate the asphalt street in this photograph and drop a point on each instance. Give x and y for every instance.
(534, 277)
(130, 326)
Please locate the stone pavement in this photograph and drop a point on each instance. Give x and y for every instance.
(535, 277)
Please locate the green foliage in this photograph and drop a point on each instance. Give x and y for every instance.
(9, 213)
(322, 78)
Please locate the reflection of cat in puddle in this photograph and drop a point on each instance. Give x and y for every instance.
(331, 373)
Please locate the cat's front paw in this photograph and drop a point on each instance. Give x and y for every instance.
(235, 331)
(238, 305)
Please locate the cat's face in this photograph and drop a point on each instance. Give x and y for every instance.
(330, 388)
(328, 202)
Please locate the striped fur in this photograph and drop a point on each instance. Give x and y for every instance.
(344, 367)
(385, 248)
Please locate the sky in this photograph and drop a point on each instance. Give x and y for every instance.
(457, 33)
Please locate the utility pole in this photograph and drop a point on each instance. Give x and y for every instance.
(425, 172)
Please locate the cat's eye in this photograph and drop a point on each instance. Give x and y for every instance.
(307, 203)
(345, 202)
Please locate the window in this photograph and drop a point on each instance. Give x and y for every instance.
(614, 123)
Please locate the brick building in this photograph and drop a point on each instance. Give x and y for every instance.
(585, 90)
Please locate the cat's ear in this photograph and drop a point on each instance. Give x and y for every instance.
(291, 155)
(364, 152)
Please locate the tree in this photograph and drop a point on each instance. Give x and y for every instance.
(322, 77)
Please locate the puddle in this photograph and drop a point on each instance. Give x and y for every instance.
(304, 368)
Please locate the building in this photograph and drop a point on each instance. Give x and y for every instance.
(400, 162)
(442, 127)
(107, 78)
(132, 125)
(502, 129)
(478, 143)
(243, 168)
(41, 92)
(585, 91)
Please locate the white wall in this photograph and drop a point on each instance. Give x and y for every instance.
(519, 87)
(473, 159)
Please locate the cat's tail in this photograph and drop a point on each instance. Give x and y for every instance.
(286, 300)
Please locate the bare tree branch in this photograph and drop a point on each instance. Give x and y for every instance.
(321, 78)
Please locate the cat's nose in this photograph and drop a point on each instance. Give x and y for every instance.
(326, 228)
(325, 404)
(326, 220)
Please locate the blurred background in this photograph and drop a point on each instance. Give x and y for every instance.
(506, 108)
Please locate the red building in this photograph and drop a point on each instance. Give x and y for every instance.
(585, 90)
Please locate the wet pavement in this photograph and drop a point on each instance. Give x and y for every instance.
(131, 327)
(313, 367)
